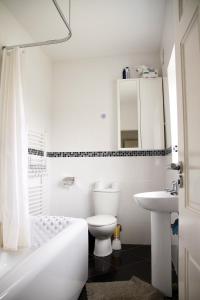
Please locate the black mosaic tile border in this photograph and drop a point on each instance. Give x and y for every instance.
(35, 152)
(102, 153)
(108, 153)
(168, 150)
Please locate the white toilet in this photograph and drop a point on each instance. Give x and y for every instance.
(102, 225)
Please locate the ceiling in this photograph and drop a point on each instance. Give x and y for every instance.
(99, 27)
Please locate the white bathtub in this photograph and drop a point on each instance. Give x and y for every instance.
(55, 268)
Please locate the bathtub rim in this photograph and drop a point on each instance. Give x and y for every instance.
(14, 277)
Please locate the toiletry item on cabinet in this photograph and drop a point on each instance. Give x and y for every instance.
(147, 72)
(126, 73)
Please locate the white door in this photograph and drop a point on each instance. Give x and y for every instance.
(188, 91)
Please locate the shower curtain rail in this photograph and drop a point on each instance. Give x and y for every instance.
(49, 42)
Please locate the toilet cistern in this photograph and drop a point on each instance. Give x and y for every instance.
(102, 224)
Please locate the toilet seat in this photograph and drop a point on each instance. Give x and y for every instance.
(101, 220)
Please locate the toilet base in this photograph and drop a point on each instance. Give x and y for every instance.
(102, 247)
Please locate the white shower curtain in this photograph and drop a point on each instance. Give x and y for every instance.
(14, 215)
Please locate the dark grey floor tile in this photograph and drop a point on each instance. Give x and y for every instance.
(132, 260)
(99, 266)
(128, 246)
(143, 251)
(122, 258)
(140, 269)
(117, 259)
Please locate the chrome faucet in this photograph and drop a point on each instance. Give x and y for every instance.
(174, 189)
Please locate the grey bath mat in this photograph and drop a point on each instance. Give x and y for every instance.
(134, 289)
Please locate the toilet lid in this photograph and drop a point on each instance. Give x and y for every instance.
(101, 220)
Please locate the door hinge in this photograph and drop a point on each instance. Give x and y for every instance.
(180, 181)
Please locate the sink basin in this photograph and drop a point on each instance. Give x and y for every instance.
(161, 204)
(160, 201)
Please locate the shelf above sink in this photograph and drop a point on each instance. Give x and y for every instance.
(159, 201)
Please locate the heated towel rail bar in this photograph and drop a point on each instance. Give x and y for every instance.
(37, 174)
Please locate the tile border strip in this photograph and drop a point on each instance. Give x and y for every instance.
(37, 152)
(161, 152)
(168, 150)
(107, 153)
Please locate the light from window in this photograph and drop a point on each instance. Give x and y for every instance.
(171, 74)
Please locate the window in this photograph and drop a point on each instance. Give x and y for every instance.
(171, 74)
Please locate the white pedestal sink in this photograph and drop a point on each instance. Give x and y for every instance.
(161, 204)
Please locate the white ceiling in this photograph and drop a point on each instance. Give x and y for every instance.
(99, 27)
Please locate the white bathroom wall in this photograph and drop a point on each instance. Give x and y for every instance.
(134, 175)
(37, 81)
(83, 90)
(37, 72)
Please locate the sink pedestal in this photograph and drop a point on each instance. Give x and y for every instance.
(161, 204)
(161, 271)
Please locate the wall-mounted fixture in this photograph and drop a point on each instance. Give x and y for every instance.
(68, 181)
(140, 114)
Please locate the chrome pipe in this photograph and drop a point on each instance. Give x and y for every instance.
(48, 42)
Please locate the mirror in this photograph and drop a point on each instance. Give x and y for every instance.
(128, 108)
(140, 114)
